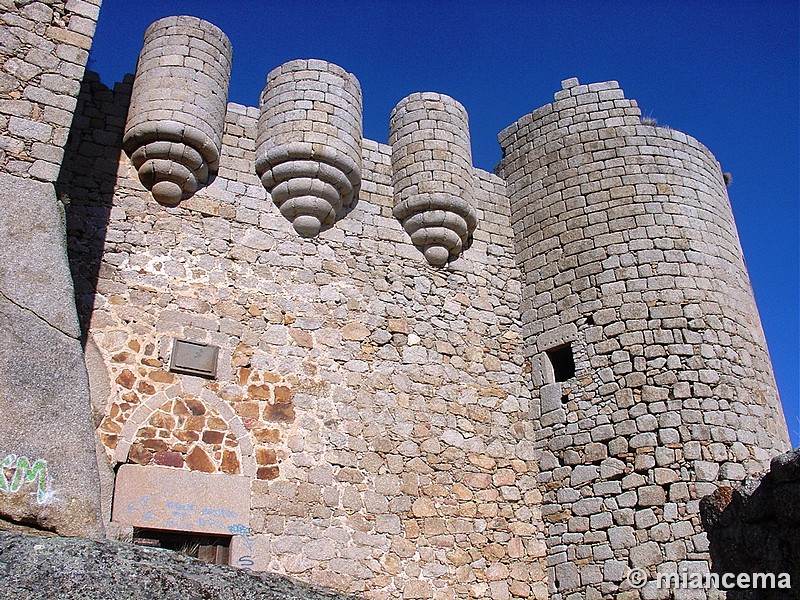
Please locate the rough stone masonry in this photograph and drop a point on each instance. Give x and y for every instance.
(431, 381)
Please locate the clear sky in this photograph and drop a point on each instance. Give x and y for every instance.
(725, 72)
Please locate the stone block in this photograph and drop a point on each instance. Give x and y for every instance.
(155, 497)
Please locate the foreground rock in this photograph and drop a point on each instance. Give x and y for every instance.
(48, 466)
(35, 568)
(755, 528)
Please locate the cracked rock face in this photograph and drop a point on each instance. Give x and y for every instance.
(48, 471)
(755, 527)
(92, 570)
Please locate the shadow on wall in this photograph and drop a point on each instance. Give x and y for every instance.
(86, 182)
(755, 528)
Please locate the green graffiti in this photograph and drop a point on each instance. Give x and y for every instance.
(24, 472)
(7, 463)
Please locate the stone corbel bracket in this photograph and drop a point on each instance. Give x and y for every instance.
(173, 135)
(308, 150)
(432, 174)
(440, 224)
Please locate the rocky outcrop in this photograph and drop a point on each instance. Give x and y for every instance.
(755, 527)
(34, 567)
(48, 469)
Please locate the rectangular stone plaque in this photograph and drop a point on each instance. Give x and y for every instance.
(154, 497)
(194, 358)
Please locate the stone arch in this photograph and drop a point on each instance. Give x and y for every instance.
(143, 414)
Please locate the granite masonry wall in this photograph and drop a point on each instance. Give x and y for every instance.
(650, 371)
(378, 404)
(435, 382)
(43, 50)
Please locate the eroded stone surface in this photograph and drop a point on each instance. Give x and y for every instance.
(74, 569)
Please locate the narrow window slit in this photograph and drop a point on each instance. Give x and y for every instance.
(563, 362)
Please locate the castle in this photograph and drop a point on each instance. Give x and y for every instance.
(369, 366)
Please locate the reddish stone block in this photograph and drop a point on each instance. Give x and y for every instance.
(270, 377)
(122, 357)
(131, 397)
(282, 393)
(266, 457)
(213, 437)
(241, 356)
(186, 436)
(109, 441)
(155, 445)
(230, 462)
(261, 392)
(195, 423)
(161, 376)
(179, 408)
(247, 409)
(146, 432)
(244, 375)
(146, 388)
(217, 423)
(282, 413)
(126, 379)
(139, 455)
(163, 420)
(168, 459)
(267, 435)
(302, 338)
(196, 406)
(397, 326)
(111, 426)
(198, 460)
(268, 472)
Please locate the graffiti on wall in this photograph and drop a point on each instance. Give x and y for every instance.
(15, 471)
(149, 511)
(245, 561)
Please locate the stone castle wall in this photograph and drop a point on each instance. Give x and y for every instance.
(633, 264)
(379, 404)
(44, 50)
(435, 382)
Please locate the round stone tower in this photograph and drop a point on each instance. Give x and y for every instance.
(308, 152)
(432, 173)
(177, 112)
(650, 373)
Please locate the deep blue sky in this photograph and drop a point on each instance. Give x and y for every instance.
(725, 72)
